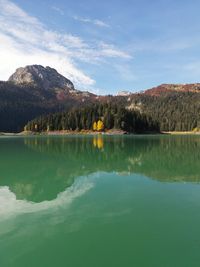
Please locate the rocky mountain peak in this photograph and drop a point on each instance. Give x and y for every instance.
(124, 93)
(46, 78)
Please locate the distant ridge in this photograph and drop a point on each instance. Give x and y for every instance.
(165, 88)
(35, 90)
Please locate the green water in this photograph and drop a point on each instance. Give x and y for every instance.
(100, 201)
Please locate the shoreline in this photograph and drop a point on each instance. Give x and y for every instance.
(68, 132)
(86, 132)
(182, 133)
(53, 133)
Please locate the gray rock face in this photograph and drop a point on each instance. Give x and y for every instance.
(47, 78)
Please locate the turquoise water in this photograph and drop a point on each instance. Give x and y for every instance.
(100, 201)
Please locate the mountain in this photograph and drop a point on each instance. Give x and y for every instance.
(35, 90)
(46, 78)
(123, 93)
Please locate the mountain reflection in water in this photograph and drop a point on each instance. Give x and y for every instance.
(32, 165)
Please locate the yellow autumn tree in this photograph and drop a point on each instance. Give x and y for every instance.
(100, 125)
(94, 126)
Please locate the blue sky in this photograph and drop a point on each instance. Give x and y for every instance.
(104, 46)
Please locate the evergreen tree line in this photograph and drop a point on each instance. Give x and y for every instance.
(173, 111)
(176, 111)
(113, 116)
(22, 103)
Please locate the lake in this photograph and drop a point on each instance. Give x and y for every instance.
(100, 201)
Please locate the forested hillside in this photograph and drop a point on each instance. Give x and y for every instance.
(35, 91)
(19, 104)
(109, 116)
(174, 111)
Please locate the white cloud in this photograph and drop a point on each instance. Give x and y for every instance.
(101, 23)
(24, 40)
(57, 9)
(109, 50)
(96, 22)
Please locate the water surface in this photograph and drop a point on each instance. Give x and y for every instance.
(100, 201)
